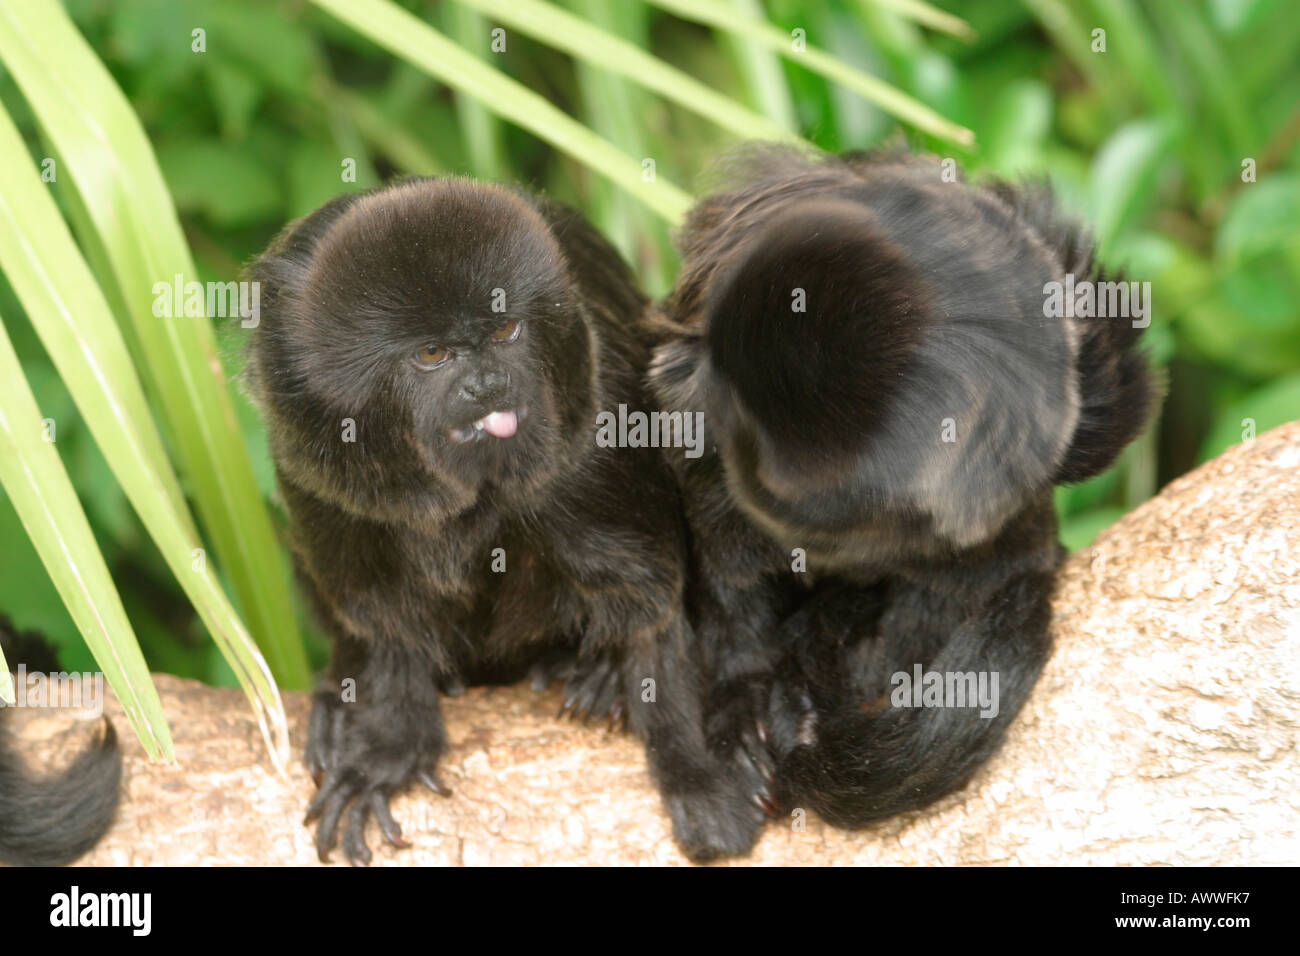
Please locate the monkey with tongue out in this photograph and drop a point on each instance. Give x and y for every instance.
(431, 362)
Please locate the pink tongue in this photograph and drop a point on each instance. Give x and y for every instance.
(501, 424)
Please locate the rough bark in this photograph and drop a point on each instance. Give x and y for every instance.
(1164, 731)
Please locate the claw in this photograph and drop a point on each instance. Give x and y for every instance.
(431, 781)
(330, 810)
(387, 825)
(354, 837)
(616, 715)
(761, 729)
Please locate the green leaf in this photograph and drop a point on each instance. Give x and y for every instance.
(76, 326)
(219, 181)
(929, 16)
(890, 99)
(592, 44)
(42, 494)
(1080, 531)
(1262, 218)
(479, 127)
(123, 196)
(424, 47)
(1267, 407)
(761, 71)
(1017, 128)
(1124, 175)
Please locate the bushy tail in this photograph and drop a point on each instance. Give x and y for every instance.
(847, 747)
(54, 820)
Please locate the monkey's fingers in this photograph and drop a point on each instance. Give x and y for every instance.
(595, 688)
(384, 817)
(760, 788)
(451, 685)
(354, 834)
(331, 800)
(555, 664)
(752, 743)
(324, 732)
(617, 717)
(433, 782)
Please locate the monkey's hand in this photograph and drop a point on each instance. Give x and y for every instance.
(360, 755)
(736, 730)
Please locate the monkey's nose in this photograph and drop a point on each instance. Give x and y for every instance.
(485, 387)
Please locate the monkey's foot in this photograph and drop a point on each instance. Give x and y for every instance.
(714, 820)
(359, 757)
(593, 686)
(736, 730)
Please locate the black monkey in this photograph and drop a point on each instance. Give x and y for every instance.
(53, 821)
(430, 361)
(888, 402)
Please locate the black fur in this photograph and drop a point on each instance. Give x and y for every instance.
(395, 532)
(924, 320)
(52, 821)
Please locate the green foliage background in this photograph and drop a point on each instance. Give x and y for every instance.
(1146, 140)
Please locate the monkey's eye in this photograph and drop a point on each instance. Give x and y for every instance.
(507, 332)
(431, 356)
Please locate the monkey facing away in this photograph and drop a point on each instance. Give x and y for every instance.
(430, 363)
(888, 402)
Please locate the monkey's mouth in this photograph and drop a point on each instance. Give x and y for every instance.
(502, 424)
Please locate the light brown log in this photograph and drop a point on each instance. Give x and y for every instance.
(1164, 731)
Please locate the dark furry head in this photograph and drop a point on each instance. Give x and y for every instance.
(781, 345)
(923, 386)
(437, 319)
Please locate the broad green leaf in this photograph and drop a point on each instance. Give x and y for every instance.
(136, 234)
(424, 47)
(76, 326)
(890, 99)
(1124, 176)
(1017, 128)
(582, 39)
(221, 182)
(1263, 217)
(39, 488)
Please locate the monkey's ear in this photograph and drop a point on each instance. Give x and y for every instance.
(1118, 392)
(294, 245)
(280, 273)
